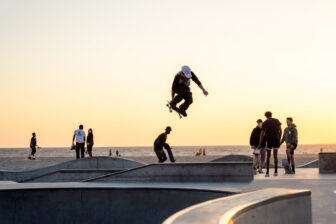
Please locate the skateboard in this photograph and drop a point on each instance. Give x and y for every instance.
(286, 166)
(172, 109)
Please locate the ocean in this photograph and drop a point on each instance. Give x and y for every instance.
(148, 151)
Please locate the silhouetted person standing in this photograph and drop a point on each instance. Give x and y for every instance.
(79, 135)
(33, 145)
(89, 142)
(160, 143)
(291, 138)
(271, 132)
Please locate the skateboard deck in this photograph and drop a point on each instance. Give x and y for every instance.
(172, 109)
(286, 166)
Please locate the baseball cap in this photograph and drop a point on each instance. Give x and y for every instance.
(186, 71)
(168, 128)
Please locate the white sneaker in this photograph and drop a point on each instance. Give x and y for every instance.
(267, 175)
(276, 174)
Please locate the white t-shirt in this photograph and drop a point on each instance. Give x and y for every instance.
(80, 135)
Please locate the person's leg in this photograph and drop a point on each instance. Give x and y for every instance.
(170, 153)
(269, 152)
(89, 149)
(262, 159)
(187, 101)
(178, 98)
(82, 150)
(275, 154)
(33, 152)
(288, 155)
(255, 162)
(292, 160)
(161, 155)
(77, 151)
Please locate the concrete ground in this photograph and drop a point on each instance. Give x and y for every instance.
(323, 188)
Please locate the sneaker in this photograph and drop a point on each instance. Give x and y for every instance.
(276, 174)
(183, 112)
(29, 157)
(267, 175)
(260, 171)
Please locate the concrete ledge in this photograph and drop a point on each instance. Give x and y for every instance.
(233, 158)
(327, 162)
(89, 204)
(184, 172)
(85, 163)
(71, 175)
(276, 206)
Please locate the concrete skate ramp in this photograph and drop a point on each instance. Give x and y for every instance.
(185, 172)
(233, 158)
(85, 163)
(327, 162)
(276, 206)
(87, 205)
(70, 175)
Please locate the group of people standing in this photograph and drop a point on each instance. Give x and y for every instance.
(79, 136)
(267, 137)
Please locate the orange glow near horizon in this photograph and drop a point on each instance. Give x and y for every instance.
(110, 66)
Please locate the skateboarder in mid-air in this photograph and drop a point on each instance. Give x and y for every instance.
(181, 87)
(160, 143)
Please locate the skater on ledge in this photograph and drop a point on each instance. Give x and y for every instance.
(160, 143)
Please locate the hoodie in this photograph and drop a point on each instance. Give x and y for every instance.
(255, 137)
(290, 135)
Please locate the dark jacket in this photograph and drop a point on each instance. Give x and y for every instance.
(181, 84)
(255, 137)
(160, 142)
(290, 135)
(32, 142)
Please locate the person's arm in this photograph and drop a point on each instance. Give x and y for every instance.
(252, 139)
(261, 139)
(73, 138)
(198, 82)
(175, 86)
(283, 138)
(92, 140)
(295, 136)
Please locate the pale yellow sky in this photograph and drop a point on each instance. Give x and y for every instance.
(109, 65)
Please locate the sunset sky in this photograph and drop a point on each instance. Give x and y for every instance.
(109, 65)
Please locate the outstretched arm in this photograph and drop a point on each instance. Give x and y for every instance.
(204, 91)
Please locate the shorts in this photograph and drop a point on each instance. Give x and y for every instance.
(272, 144)
(292, 147)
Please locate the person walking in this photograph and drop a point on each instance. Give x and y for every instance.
(160, 143)
(79, 135)
(33, 145)
(89, 142)
(258, 154)
(271, 132)
(290, 136)
(181, 87)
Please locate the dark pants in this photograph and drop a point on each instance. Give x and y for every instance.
(33, 151)
(80, 147)
(186, 96)
(170, 153)
(162, 155)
